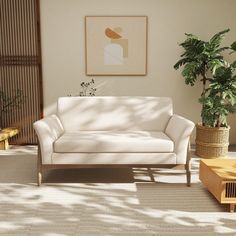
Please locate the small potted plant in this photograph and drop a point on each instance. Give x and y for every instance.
(10, 102)
(203, 60)
(87, 89)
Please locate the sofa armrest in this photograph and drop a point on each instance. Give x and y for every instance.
(179, 129)
(48, 130)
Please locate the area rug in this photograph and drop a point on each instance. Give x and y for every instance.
(105, 201)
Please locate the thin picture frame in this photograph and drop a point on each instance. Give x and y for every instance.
(116, 45)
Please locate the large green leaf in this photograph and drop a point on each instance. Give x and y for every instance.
(190, 72)
(216, 40)
(222, 49)
(215, 64)
(233, 46)
(181, 62)
(191, 36)
(193, 47)
(233, 64)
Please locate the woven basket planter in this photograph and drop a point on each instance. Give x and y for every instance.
(212, 142)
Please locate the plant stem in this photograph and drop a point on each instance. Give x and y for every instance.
(204, 79)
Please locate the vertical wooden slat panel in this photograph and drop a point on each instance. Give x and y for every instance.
(20, 64)
(39, 53)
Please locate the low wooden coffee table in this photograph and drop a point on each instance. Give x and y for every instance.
(219, 176)
(5, 134)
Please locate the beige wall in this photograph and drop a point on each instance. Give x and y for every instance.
(62, 26)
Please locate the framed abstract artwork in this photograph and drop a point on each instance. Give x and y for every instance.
(116, 45)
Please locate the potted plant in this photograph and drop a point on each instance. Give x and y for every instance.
(87, 89)
(9, 103)
(202, 60)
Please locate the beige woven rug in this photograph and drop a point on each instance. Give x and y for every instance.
(105, 201)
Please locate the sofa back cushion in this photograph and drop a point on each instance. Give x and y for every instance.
(114, 113)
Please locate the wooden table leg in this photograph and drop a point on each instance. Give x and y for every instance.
(4, 144)
(151, 174)
(231, 207)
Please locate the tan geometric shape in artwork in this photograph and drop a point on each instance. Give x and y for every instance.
(112, 34)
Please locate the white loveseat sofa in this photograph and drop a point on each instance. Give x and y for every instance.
(113, 131)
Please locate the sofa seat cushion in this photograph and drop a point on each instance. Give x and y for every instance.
(114, 141)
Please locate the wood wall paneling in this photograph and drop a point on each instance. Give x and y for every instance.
(20, 64)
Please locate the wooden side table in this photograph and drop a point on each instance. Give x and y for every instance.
(219, 176)
(5, 134)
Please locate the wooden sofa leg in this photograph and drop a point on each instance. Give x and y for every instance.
(39, 178)
(39, 167)
(188, 166)
(188, 175)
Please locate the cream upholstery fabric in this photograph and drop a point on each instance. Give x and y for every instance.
(113, 158)
(114, 113)
(48, 130)
(114, 141)
(110, 130)
(179, 130)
